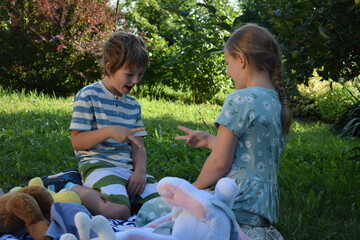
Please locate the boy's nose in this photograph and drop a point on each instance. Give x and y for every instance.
(136, 80)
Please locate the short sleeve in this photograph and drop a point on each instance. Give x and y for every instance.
(237, 113)
(83, 115)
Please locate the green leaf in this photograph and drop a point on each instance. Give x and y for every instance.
(322, 32)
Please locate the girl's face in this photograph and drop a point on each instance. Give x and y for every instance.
(123, 80)
(235, 69)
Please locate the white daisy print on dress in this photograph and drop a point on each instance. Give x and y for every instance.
(274, 142)
(254, 209)
(227, 113)
(249, 99)
(260, 193)
(266, 105)
(251, 115)
(164, 213)
(152, 216)
(262, 119)
(248, 144)
(245, 157)
(254, 220)
(273, 101)
(239, 100)
(233, 170)
(260, 167)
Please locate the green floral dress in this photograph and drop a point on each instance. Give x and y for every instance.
(253, 114)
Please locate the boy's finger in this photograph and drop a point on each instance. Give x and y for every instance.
(134, 130)
(134, 140)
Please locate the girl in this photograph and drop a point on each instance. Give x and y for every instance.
(251, 127)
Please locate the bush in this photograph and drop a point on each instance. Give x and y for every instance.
(185, 44)
(349, 122)
(324, 100)
(52, 46)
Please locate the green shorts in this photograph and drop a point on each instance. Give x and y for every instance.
(111, 182)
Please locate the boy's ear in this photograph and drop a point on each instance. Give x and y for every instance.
(107, 68)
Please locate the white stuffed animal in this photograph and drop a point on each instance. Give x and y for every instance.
(84, 224)
(197, 214)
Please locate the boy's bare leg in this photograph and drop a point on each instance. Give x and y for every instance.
(93, 201)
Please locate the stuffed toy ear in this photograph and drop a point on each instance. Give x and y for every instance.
(101, 226)
(82, 222)
(225, 191)
(180, 193)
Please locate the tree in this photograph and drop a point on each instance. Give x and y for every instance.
(316, 34)
(185, 40)
(53, 45)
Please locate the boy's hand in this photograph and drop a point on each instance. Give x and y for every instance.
(195, 138)
(136, 184)
(123, 134)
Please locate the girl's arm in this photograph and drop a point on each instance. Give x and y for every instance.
(220, 159)
(197, 138)
(83, 140)
(137, 180)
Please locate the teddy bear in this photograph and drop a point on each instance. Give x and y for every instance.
(26, 208)
(196, 214)
(29, 208)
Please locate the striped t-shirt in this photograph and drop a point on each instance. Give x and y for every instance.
(94, 108)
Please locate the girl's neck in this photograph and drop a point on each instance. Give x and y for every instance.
(260, 79)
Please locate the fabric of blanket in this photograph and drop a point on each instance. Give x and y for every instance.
(114, 223)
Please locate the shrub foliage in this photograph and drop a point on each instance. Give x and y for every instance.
(52, 45)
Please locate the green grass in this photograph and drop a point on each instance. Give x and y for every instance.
(319, 176)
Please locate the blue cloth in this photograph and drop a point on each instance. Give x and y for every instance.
(254, 115)
(62, 219)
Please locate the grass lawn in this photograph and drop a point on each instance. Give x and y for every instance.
(319, 176)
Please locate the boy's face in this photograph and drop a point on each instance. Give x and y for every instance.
(123, 80)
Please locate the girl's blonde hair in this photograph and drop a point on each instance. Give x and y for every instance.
(124, 49)
(261, 50)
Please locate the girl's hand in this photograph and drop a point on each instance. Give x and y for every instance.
(136, 184)
(195, 138)
(122, 134)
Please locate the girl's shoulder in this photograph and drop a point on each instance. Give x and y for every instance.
(252, 94)
(253, 90)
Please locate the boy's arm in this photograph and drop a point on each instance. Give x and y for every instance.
(83, 140)
(137, 180)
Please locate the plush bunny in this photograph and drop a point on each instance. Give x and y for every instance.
(196, 214)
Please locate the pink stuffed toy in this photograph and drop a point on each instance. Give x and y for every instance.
(197, 214)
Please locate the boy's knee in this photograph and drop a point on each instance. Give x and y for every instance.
(116, 211)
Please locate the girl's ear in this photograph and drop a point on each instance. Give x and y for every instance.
(242, 59)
